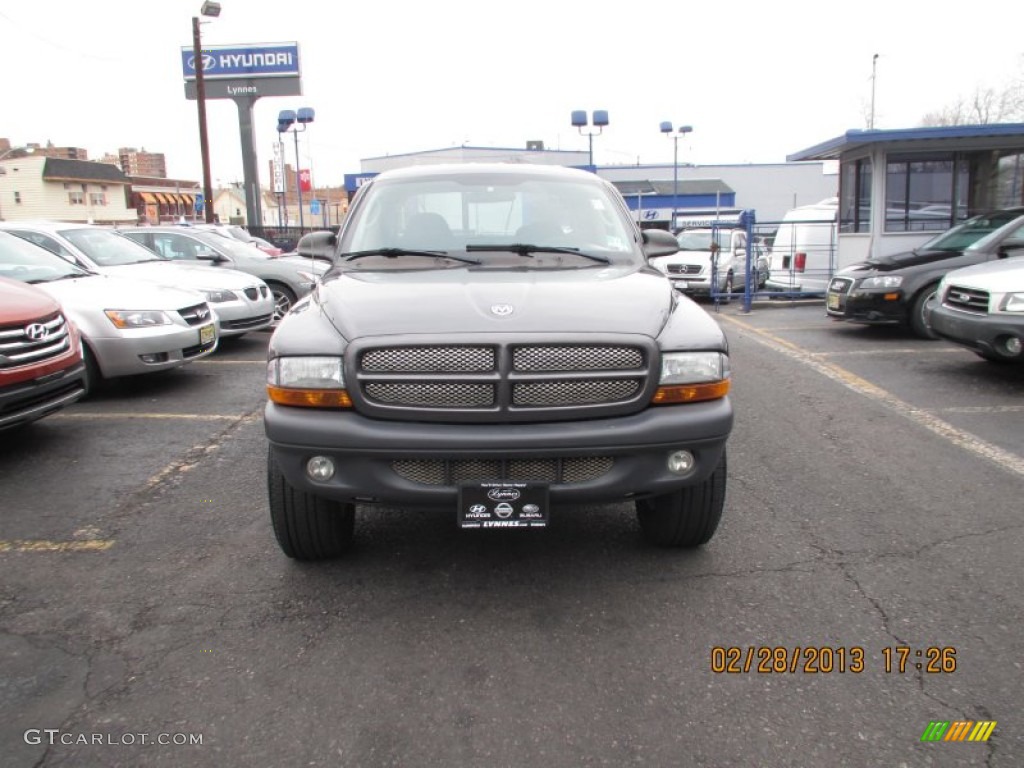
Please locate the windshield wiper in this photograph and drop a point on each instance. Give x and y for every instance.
(69, 276)
(394, 253)
(526, 249)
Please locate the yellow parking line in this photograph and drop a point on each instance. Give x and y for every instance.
(43, 545)
(891, 351)
(943, 429)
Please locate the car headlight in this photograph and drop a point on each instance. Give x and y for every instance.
(689, 377)
(882, 281)
(312, 382)
(1014, 302)
(137, 318)
(219, 297)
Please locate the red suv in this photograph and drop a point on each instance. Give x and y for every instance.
(41, 368)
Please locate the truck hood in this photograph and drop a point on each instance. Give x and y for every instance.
(1004, 276)
(361, 304)
(197, 278)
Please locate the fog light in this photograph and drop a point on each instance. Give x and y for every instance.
(320, 468)
(1012, 345)
(156, 357)
(681, 462)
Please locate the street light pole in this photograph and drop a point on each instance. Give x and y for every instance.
(287, 120)
(666, 127)
(579, 121)
(209, 9)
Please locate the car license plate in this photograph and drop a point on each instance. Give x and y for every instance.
(833, 300)
(503, 505)
(206, 334)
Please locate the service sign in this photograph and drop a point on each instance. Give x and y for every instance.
(244, 61)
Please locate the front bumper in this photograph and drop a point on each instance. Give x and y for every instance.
(27, 401)
(169, 345)
(982, 333)
(244, 315)
(881, 306)
(369, 454)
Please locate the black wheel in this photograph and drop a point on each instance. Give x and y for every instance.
(918, 323)
(688, 517)
(306, 526)
(93, 376)
(284, 298)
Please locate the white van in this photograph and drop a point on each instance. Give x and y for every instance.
(714, 237)
(803, 256)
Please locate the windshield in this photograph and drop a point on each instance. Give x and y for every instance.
(700, 240)
(30, 263)
(228, 245)
(970, 232)
(107, 248)
(1011, 235)
(433, 217)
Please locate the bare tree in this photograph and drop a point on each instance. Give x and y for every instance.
(984, 106)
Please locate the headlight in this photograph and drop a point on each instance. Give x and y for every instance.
(219, 297)
(1014, 302)
(882, 281)
(137, 318)
(690, 377)
(315, 382)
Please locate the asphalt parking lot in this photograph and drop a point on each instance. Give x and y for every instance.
(873, 513)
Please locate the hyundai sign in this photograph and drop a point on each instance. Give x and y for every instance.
(243, 61)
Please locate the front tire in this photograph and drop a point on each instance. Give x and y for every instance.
(918, 324)
(93, 376)
(307, 527)
(688, 517)
(284, 299)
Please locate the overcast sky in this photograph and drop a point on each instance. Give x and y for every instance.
(756, 79)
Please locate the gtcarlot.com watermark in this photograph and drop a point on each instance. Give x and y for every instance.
(55, 736)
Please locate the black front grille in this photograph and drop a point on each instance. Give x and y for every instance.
(245, 323)
(196, 314)
(252, 294)
(840, 284)
(35, 342)
(969, 299)
(501, 379)
(573, 469)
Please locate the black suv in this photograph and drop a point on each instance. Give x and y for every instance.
(895, 289)
(492, 341)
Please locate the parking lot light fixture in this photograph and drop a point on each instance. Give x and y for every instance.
(296, 121)
(212, 10)
(599, 119)
(666, 128)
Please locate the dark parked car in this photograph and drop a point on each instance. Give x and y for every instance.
(895, 289)
(288, 277)
(493, 341)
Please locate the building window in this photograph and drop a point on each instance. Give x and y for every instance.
(925, 192)
(855, 195)
(97, 198)
(17, 197)
(66, 185)
(76, 198)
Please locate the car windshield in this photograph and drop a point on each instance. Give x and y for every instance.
(970, 232)
(229, 246)
(107, 248)
(700, 240)
(414, 223)
(30, 263)
(1011, 235)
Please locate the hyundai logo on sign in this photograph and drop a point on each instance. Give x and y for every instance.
(650, 215)
(243, 61)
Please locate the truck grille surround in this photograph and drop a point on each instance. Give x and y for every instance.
(502, 381)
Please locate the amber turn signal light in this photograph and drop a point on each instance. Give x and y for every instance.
(310, 398)
(690, 393)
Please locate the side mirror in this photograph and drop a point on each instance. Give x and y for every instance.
(317, 244)
(213, 256)
(658, 242)
(1010, 249)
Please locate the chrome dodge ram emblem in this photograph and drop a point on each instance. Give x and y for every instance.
(502, 310)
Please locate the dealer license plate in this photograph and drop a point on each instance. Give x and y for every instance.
(833, 300)
(206, 334)
(503, 505)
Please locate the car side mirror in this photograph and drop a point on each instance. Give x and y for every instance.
(1010, 249)
(213, 256)
(315, 244)
(658, 242)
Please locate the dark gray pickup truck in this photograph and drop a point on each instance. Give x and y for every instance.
(492, 341)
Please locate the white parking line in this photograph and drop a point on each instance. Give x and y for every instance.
(944, 429)
(207, 361)
(889, 351)
(982, 409)
(184, 416)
